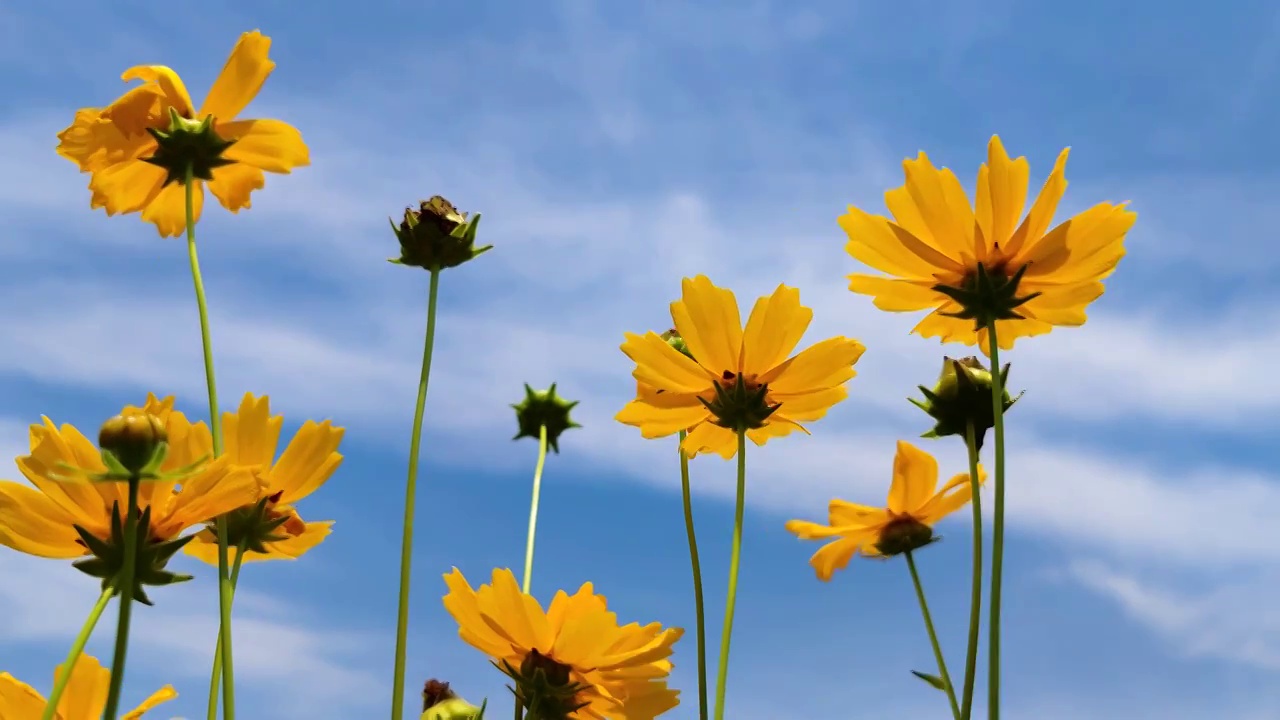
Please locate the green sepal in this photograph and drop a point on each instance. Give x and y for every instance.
(963, 395)
(740, 406)
(436, 236)
(986, 297)
(933, 680)
(188, 143)
(252, 526)
(106, 557)
(542, 408)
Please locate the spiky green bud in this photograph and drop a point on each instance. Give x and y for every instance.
(436, 236)
(542, 408)
(740, 405)
(963, 395)
(106, 560)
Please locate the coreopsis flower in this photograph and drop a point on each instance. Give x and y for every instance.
(965, 261)
(134, 148)
(572, 660)
(906, 522)
(85, 696)
(47, 520)
(271, 527)
(731, 379)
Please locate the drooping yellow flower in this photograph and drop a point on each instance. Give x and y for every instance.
(41, 520)
(622, 669)
(803, 387)
(113, 142)
(914, 506)
(84, 698)
(311, 457)
(936, 238)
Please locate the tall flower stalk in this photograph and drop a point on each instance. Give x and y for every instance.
(975, 592)
(735, 558)
(698, 607)
(997, 532)
(77, 649)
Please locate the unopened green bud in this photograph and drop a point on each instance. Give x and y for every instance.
(674, 339)
(134, 440)
(904, 534)
(740, 404)
(187, 144)
(541, 408)
(436, 236)
(962, 396)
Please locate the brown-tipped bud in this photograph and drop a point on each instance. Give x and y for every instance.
(436, 236)
(133, 440)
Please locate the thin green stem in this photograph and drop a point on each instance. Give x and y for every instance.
(975, 599)
(997, 530)
(216, 676)
(533, 510)
(933, 637)
(735, 558)
(519, 709)
(697, 582)
(125, 586)
(410, 492)
(77, 649)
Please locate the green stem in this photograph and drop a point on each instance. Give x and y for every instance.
(126, 587)
(216, 676)
(215, 430)
(933, 636)
(77, 649)
(735, 558)
(410, 492)
(975, 599)
(533, 510)
(997, 530)
(697, 582)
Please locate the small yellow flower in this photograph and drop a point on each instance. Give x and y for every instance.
(622, 670)
(915, 504)
(113, 142)
(937, 239)
(41, 521)
(85, 696)
(674, 390)
(252, 435)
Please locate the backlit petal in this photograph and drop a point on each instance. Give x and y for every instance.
(168, 209)
(232, 185)
(32, 523)
(1086, 247)
(1033, 227)
(220, 488)
(125, 187)
(271, 145)
(461, 602)
(933, 207)
(915, 476)
(888, 247)
(1061, 304)
(661, 420)
(174, 91)
(953, 496)
(308, 461)
(710, 438)
(205, 545)
(19, 700)
(250, 434)
(774, 329)
(836, 555)
(241, 78)
(895, 295)
(1001, 195)
(86, 693)
(844, 513)
(824, 365)
(662, 367)
(163, 695)
(808, 407)
(707, 318)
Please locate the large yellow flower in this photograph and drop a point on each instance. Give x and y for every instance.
(252, 434)
(937, 238)
(623, 668)
(804, 386)
(41, 521)
(112, 143)
(85, 696)
(915, 502)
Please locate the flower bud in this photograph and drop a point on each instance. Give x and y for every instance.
(134, 440)
(963, 396)
(674, 339)
(188, 144)
(436, 236)
(541, 408)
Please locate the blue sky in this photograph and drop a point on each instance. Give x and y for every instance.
(613, 149)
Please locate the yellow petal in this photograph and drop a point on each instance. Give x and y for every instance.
(519, 615)
(308, 462)
(1033, 227)
(163, 695)
(169, 83)
(915, 476)
(836, 555)
(895, 295)
(86, 693)
(241, 78)
(19, 700)
(205, 545)
(933, 207)
(1011, 330)
(168, 209)
(219, 488)
(462, 603)
(774, 329)
(271, 145)
(709, 437)
(233, 184)
(946, 328)
(251, 433)
(824, 365)
(954, 495)
(707, 318)
(808, 406)
(888, 247)
(1001, 195)
(85, 504)
(778, 426)
(806, 530)
(661, 420)
(126, 187)
(1060, 304)
(1086, 247)
(662, 367)
(844, 513)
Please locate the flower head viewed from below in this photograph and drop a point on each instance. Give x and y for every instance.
(84, 699)
(914, 506)
(123, 144)
(575, 646)
(938, 245)
(271, 527)
(734, 375)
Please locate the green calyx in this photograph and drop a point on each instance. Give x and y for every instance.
(963, 396)
(541, 408)
(190, 144)
(253, 526)
(544, 688)
(436, 236)
(441, 703)
(740, 405)
(107, 556)
(987, 295)
(904, 534)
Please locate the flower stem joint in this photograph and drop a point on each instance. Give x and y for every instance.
(187, 144)
(962, 396)
(740, 404)
(541, 408)
(544, 688)
(987, 295)
(439, 702)
(133, 444)
(436, 236)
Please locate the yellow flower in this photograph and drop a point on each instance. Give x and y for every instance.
(84, 698)
(112, 143)
(252, 434)
(41, 521)
(622, 669)
(937, 239)
(915, 504)
(803, 387)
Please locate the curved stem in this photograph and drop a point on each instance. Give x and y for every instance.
(735, 557)
(975, 599)
(697, 581)
(533, 510)
(216, 676)
(126, 588)
(997, 530)
(410, 493)
(77, 649)
(933, 636)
